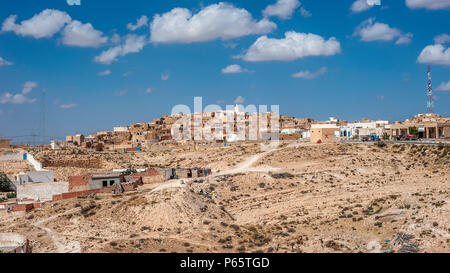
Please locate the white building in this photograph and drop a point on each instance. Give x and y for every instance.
(359, 129)
(56, 144)
(35, 177)
(121, 129)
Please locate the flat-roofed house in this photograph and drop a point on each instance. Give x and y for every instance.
(321, 133)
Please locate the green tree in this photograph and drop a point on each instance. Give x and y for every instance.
(4, 183)
(413, 131)
(129, 171)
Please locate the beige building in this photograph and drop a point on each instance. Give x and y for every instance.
(322, 133)
(77, 139)
(429, 130)
(5, 143)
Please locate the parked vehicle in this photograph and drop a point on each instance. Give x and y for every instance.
(409, 137)
(369, 138)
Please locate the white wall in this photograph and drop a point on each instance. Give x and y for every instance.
(41, 191)
(36, 164)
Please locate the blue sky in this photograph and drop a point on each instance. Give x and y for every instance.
(103, 64)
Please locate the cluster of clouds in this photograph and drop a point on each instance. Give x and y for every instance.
(20, 98)
(435, 54)
(370, 30)
(439, 53)
(428, 4)
(363, 5)
(50, 22)
(292, 47)
(222, 21)
(132, 44)
(218, 21)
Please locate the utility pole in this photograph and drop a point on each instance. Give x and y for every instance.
(34, 139)
(43, 117)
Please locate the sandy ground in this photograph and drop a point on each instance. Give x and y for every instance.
(76, 162)
(299, 198)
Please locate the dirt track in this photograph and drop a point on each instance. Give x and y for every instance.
(300, 198)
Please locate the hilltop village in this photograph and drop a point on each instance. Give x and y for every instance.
(328, 186)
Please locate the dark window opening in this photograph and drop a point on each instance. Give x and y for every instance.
(105, 183)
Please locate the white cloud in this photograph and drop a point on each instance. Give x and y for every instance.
(143, 21)
(133, 44)
(165, 76)
(282, 9)
(67, 106)
(239, 100)
(28, 86)
(20, 98)
(370, 31)
(404, 39)
(234, 69)
(363, 5)
(216, 21)
(109, 56)
(82, 35)
(442, 39)
(42, 25)
(293, 46)
(307, 75)
(149, 90)
(105, 73)
(428, 4)
(15, 99)
(305, 13)
(435, 54)
(445, 86)
(4, 62)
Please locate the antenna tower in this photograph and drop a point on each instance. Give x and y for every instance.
(430, 101)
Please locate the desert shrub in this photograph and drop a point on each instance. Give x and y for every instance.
(380, 144)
